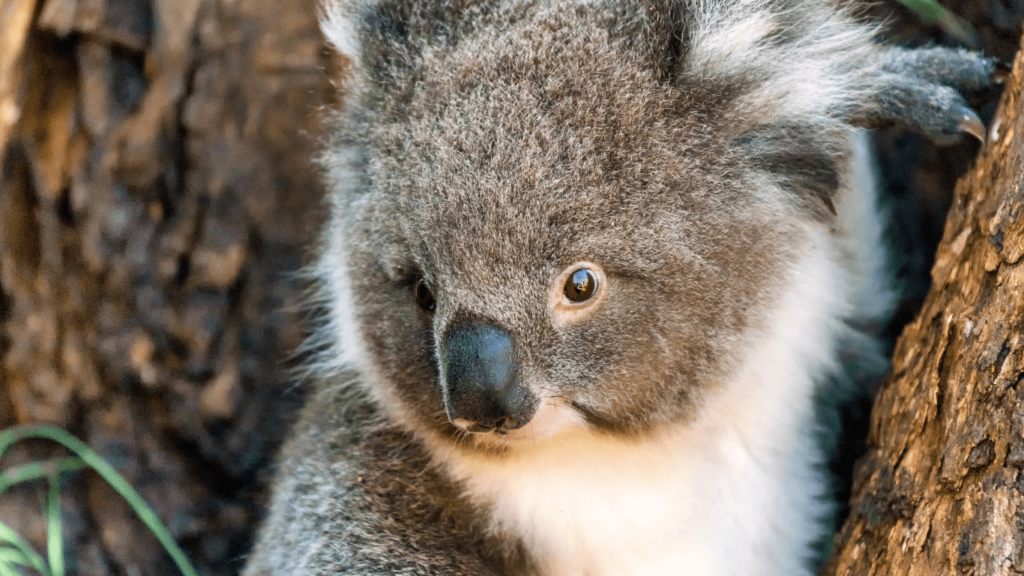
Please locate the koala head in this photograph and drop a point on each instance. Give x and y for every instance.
(551, 217)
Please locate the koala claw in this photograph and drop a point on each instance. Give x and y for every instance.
(1000, 72)
(925, 89)
(969, 122)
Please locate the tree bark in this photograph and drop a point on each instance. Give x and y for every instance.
(940, 490)
(15, 19)
(157, 196)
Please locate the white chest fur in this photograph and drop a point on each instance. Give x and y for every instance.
(733, 493)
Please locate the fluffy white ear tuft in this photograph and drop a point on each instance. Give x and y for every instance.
(338, 20)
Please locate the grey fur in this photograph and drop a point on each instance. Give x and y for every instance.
(484, 147)
(364, 498)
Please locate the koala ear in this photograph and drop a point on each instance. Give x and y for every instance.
(339, 23)
(384, 40)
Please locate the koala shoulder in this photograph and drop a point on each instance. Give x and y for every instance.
(356, 495)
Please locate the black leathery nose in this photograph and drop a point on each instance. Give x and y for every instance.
(482, 378)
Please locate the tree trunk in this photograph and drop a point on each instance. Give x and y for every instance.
(940, 490)
(157, 196)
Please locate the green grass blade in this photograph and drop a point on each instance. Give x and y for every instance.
(13, 557)
(54, 535)
(9, 536)
(930, 10)
(107, 472)
(7, 569)
(960, 29)
(957, 27)
(39, 470)
(10, 559)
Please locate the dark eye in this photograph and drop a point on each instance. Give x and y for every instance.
(424, 297)
(581, 285)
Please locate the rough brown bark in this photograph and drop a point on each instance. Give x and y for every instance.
(940, 490)
(156, 194)
(15, 19)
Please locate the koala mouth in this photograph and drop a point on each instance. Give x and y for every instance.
(552, 419)
(471, 426)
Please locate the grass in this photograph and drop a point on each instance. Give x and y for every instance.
(952, 24)
(15, 552)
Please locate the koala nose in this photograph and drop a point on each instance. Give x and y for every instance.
(482, 380)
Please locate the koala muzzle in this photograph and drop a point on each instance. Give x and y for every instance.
(481, 377)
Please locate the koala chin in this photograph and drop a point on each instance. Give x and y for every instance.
(591, 270)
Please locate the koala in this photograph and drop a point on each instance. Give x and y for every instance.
(593, 270)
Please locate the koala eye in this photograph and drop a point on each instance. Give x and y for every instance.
(576, 293)
(424, 297)
(580, 286)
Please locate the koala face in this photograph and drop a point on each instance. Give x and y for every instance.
(551, 237)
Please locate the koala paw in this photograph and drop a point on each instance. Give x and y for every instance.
(922, 88)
